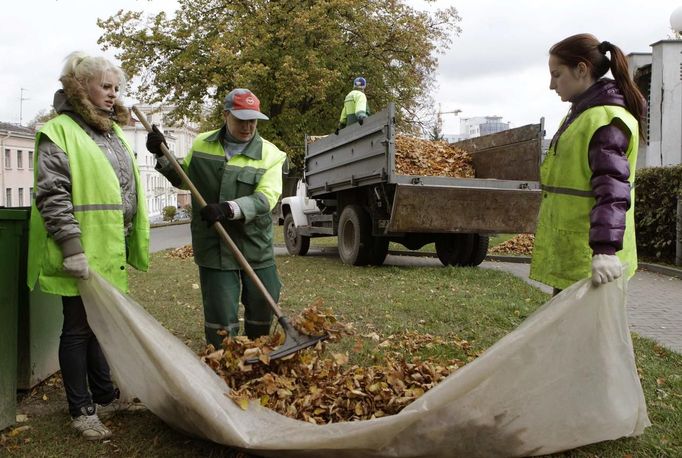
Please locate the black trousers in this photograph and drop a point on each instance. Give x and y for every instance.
(86, 374)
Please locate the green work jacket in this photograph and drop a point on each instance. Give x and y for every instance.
(354, 105)
(253, 179)
(562, 255)
(97, 206)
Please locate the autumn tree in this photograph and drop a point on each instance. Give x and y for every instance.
(42, 117)
(298, 57)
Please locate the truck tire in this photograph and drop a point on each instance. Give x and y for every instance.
(480, 249)
(455, 249)
(355, 236)
(379, 251)
(297, 244)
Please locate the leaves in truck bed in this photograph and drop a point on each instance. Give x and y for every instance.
(416, 156)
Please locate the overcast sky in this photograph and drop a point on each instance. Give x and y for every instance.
(496, 66)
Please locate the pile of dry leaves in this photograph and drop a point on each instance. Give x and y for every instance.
(183, 252)
(520, 245)
(416, 156)
(318, 387)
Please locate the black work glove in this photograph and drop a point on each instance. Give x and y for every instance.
(154, 140)
(360, 121)
(336, 132)
(216, 212)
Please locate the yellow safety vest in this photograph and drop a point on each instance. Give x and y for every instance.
(252, 179)
(562, 255)
(97, 205)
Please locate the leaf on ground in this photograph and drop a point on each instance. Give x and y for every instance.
(320, 387)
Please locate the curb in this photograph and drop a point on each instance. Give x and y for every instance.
(174, 223)
(660, 269)
(656, 268)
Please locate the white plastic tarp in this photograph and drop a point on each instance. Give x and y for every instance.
(564, 378)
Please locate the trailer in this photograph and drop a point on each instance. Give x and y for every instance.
(350, 189)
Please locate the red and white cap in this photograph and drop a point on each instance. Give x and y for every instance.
(244, 105)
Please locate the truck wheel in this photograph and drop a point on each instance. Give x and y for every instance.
(480, 249)
(379, 251)
(455, 249)
(297, 245)
(355, 236)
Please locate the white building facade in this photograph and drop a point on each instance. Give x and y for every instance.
(659, 76)
(16, 171)
(158, 190)
(17, 149)
(478, 126)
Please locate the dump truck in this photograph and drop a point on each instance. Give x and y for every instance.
(351, 189)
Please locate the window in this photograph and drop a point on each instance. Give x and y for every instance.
(8, 160)
(20, 161)
(8, 197)
(30, 194)
(21, 197)
(30, 160)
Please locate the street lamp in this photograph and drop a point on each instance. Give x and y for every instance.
(676, 20)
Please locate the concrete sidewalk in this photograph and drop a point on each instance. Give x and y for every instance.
(654, 303)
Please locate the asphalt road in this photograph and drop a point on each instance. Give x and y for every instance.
(164, 237)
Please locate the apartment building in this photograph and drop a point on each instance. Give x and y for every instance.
(159, 191)
(17, 147)
(16, 174)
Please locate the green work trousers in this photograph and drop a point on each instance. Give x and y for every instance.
(220, 291)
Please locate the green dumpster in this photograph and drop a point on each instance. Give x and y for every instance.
(13, 227)
(30, 321)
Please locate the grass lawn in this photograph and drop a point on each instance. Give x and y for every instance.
(474, 304)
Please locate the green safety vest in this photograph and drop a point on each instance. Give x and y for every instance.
(97, 206)
(253, 179)
(562, 255)
(354, 105)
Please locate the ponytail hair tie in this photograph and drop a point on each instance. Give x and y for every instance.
(604, 46)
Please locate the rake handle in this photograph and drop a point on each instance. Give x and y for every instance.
(217, 226)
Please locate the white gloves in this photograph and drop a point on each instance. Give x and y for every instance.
(77, 266)
(605, 268)
(236, 210)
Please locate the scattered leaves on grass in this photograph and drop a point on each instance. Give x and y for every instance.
(18, 430)
(416, 156)
(321, 387)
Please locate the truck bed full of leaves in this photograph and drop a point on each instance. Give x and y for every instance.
(416, 156)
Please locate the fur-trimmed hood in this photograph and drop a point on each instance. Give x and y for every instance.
(75, 98)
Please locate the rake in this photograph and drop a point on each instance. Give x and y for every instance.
(294, 340)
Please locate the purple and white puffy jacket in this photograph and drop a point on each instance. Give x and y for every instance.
(610, 168)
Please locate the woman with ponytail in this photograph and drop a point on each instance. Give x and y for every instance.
(586, 222)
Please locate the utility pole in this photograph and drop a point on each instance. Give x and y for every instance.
(21, 106)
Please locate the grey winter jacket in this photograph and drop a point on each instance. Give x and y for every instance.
(53, 181)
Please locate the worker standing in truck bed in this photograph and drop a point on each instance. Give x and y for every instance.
(354, 105)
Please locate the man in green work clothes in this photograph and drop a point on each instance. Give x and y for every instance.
(354, 105)
(239, 174)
